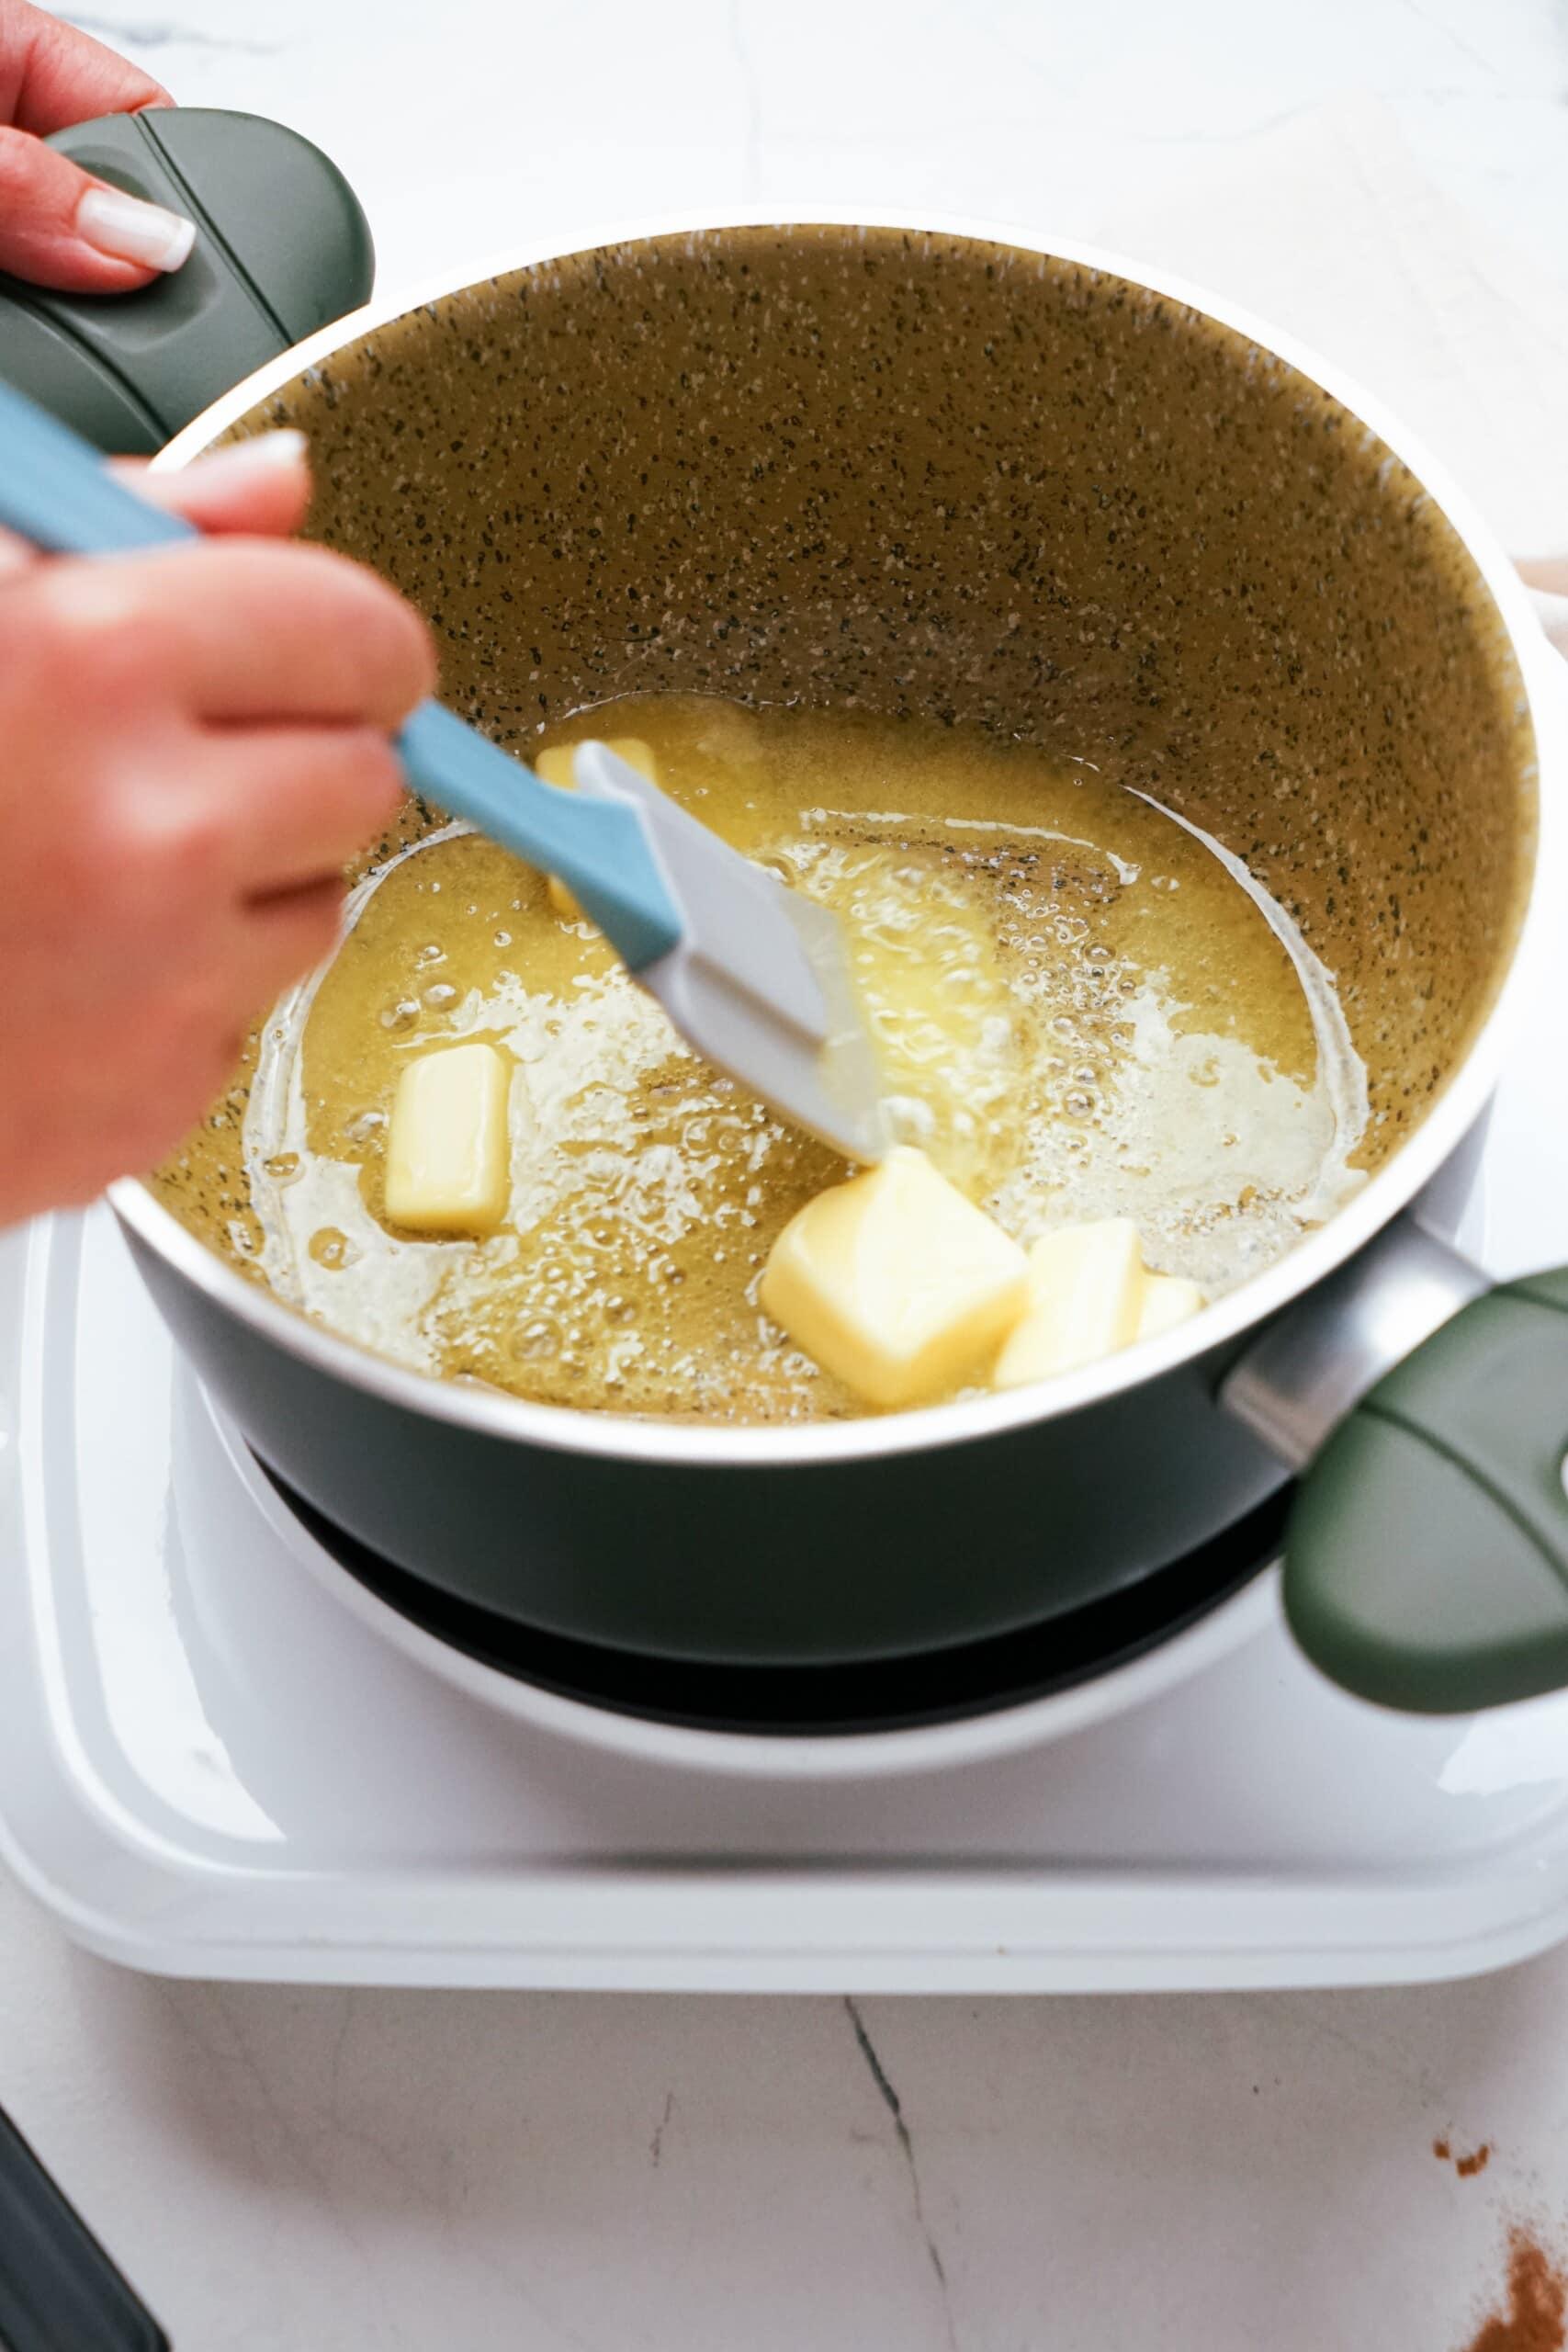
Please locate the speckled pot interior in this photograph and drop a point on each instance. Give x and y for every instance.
(926, 475)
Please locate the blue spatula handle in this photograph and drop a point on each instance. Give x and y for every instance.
(56, 493)
(598, 846)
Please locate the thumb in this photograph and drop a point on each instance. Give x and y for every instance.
(60, 227)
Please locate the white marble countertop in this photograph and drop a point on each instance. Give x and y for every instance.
(342, 2171)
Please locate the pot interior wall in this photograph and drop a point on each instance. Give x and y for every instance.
(928, 476)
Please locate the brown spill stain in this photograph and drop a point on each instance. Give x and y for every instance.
(1538, 2301)
(1466, 2166)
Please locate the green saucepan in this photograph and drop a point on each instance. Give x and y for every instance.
(924, 469)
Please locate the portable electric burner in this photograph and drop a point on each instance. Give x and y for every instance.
(234, 1746)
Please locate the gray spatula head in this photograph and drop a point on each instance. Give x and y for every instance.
(758, 981)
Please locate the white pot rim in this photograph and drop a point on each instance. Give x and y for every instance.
(1391, 1189)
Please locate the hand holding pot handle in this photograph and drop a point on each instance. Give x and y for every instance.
(281, 246)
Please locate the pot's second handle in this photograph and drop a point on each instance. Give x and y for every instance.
(1426, 1558)
(282, 248)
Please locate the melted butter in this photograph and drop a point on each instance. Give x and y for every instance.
(1083, 1009)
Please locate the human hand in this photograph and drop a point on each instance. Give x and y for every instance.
(195, 740)
(58, 226)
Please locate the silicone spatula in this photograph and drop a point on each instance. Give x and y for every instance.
(752, 974)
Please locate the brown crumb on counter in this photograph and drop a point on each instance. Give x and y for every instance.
(1538, 2301)
(1466, 2166)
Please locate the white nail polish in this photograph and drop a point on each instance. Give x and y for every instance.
(130, 229)
(282, 446)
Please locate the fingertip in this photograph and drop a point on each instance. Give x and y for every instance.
(401, 663)
(426, 661)
(424, 653)
(386, 784)
(260, 485)
(129, 229)
(66, 264)
(60, 227)
(65, 76)
(96, 273)
(295, 929)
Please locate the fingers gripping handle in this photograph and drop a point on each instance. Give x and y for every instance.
(282, 246)
(1426, 1558)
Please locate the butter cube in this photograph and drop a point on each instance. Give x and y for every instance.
(554, 767)
(1168, 1299)
(894, 1280)
(1085, 1294)
(448, 1151)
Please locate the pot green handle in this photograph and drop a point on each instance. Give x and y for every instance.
(282, 248)
(1427, 1555)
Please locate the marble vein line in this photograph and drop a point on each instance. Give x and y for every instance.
(895, 2107)
(656, 2145)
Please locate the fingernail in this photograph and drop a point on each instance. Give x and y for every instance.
(130, 229)
(282, 448)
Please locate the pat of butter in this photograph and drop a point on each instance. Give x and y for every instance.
(448, 1150)
(1089, 1296)
(1168, 1299)
(1085, 1293)
(894, 1280)
(554, 767)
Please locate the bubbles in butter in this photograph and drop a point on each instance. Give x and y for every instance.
(1083, 1008)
